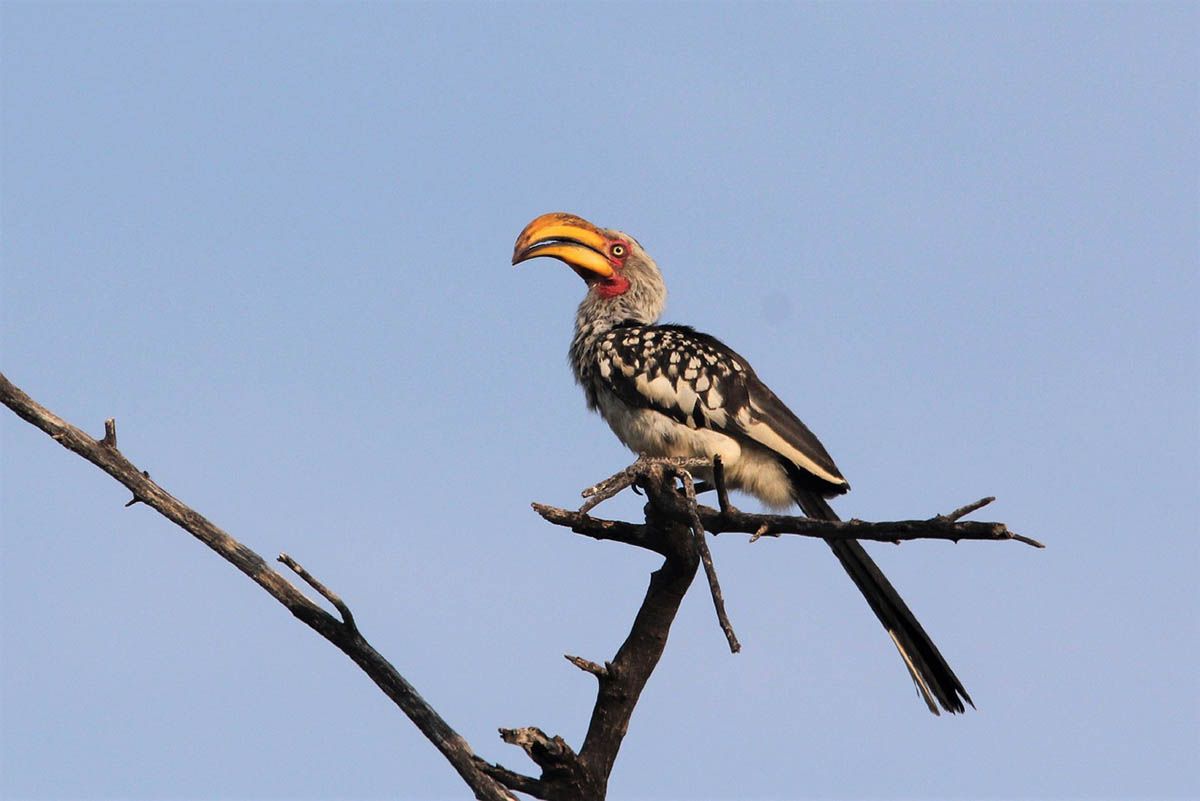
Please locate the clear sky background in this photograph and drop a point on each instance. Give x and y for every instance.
(273, 241)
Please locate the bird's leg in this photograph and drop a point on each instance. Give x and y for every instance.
(718, 467)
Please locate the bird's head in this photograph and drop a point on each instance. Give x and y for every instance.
(623, 282)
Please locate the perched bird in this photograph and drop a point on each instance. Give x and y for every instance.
(668, 390)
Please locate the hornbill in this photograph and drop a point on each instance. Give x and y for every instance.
(668, 390)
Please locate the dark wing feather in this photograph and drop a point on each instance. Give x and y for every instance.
(700, 382)
(771, 419)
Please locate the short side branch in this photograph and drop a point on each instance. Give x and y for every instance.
(965, 510)
(587, 666)
(326, 593)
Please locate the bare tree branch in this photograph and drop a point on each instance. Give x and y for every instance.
(941, 527)
(104, 454)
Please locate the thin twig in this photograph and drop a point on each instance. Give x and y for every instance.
(326, 593)
(710, 571)
(609, 487)
(963, 511)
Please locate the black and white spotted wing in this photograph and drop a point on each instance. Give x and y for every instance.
(699, 382)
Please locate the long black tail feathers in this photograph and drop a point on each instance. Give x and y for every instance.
(934, 680)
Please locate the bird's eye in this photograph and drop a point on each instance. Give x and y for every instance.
(618, 250)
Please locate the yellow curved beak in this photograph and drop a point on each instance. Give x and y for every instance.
(570, 239)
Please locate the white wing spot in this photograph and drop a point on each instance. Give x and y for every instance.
(702, 383)
(714, 399)
(658, 390)
(686, 399)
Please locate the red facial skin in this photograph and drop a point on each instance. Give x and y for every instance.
(616, 284)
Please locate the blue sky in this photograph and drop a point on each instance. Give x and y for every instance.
(273, 241)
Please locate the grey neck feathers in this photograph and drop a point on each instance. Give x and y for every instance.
(642, 303)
